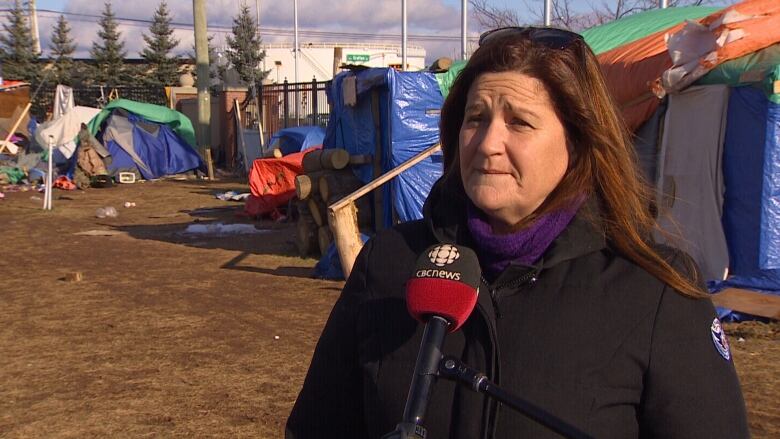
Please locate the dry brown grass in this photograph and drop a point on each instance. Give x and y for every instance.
(171, 335)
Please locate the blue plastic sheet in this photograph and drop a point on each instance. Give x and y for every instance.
(329, 265)
(163, 151)
(751, 207)
(770, 212)
(408, 105)
(296, 139)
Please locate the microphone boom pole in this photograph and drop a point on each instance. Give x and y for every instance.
(456, 370)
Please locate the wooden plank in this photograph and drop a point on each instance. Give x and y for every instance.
(15, 126)
(776, 87)
(240, 130)
(343, 224)
(386, 177)
(343, 214)
(751, 302)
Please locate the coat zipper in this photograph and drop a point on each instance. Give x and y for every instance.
(529, 278)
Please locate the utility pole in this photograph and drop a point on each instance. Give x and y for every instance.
(403, 35)
(257, 13)
(297, 96)
(34, 27)
(203, 128)
(547, 12)
(463, 28)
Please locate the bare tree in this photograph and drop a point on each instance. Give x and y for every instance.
(491, 17)
(564, 14)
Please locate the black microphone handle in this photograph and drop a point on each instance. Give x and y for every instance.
(425, 370)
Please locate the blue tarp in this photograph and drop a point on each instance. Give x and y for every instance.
(297, 139)
(329, 265)
(751, 207)
(408, 106)
(163, 151)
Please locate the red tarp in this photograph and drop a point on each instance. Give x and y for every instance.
(272, 183)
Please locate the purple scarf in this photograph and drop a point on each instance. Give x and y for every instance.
(525, 246)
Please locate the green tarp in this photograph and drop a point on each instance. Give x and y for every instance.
(614, 34)
(608, 36)
(15, 175)
(760, 68)
(446, 79)
(178, 122)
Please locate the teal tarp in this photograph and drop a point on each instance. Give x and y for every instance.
(614, 34)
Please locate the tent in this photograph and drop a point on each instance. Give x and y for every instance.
(393, 116)
(669, 60)
(153, 140)
(702, 92)
(272, 183)
(296, 139)
(272, 180)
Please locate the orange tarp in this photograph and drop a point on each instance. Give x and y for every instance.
(272, 183)
(633, 71)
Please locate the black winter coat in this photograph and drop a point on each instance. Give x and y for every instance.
(586, 334)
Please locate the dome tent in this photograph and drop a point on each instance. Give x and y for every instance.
(155, 140)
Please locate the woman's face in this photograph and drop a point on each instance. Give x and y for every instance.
(513, 150)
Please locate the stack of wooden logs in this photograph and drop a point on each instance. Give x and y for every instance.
(326, 179)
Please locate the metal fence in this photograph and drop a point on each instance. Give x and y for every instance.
(294, 104)
(97, 96)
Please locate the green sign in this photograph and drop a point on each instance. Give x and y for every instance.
(357, 58)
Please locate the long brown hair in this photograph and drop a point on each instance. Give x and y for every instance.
(602, 159)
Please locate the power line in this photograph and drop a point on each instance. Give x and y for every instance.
(268, 31)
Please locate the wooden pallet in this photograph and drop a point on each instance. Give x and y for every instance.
(750, 302)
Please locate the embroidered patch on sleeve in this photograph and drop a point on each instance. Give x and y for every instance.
(719, 339)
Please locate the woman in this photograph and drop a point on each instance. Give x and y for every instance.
(579, 313)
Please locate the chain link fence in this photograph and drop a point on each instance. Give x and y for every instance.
(97, 96)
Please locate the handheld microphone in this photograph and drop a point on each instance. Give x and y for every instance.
(442, 294)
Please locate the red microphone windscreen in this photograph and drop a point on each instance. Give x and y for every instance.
(445, 283)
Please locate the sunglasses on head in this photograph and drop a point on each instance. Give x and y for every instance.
(551, 37)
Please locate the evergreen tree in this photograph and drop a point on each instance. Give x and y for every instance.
(244, 52)
(17, 51)
(215, 70)
(158, 49)
(62, 48)
(109, 53)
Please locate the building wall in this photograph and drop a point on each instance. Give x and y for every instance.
(316, 60)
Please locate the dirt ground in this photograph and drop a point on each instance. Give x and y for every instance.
(171, 334)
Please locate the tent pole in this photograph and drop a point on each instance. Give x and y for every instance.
(49, 179)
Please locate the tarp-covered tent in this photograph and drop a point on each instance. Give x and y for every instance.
(272, 183)
(155, 140)
(393, 115)
(296, 139)
(671, 59)
(717, 153)
(634, 27)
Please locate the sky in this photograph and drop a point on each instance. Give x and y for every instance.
(432, 24)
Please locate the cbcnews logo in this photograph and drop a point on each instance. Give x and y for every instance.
(441, 256)
(444, 255)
